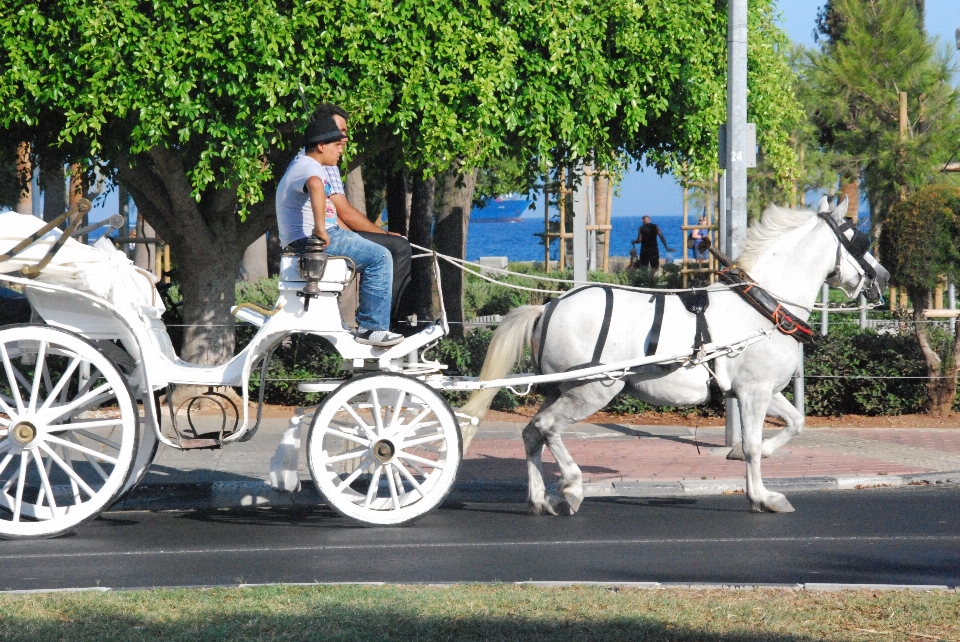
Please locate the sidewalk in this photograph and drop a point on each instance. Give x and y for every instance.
(616, 460)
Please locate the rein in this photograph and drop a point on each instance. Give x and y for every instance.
(761, 300)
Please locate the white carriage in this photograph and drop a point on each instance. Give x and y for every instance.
(80, 419)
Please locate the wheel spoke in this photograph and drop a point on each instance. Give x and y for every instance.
(84, 425)
(73, 484)
(38, 374)
(353, 454)
(345, 484)
(419, 460)
(90, 458)
(360, 422)
(413, 482)
(423, 440)
(69, 470)
(89, 399)
(342, 435)
(45, 482)
(64, 379)
(21, 480)
(6, 460)
(377, 418)
(393, 487)
(75, 445)
(11, 378)
(413, 424)
(374, 483)
(5, 402)
(97, 438)
(397, 409)
(47, 468)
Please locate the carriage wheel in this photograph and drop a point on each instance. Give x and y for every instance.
(68, 431)
(147, 447)
(384, 449)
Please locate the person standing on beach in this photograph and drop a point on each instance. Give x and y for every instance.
(647, 235)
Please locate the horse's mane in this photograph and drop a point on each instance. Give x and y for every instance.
(775, 222)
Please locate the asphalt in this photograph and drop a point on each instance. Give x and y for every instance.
(617, 460)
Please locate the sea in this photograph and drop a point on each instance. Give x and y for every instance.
(517, 240)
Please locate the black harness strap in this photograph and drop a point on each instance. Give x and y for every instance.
(604, 327)
(696, 302)
(654, 340)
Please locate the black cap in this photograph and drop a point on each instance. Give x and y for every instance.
(322, 130)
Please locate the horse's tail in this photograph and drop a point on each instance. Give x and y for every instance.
(509, 341)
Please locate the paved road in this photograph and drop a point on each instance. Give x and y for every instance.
(889, 536)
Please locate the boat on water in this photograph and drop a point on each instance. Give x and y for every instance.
(503, 209)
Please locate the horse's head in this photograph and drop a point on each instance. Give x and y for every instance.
(856, 270)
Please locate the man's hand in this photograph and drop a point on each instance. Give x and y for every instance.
(323, 236)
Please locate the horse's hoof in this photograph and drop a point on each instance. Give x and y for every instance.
(540, 509)
(573, 501)
(776, 503)
(736, 453)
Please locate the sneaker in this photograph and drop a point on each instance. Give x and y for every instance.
(377, 337)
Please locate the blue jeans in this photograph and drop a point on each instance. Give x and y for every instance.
(376, 274)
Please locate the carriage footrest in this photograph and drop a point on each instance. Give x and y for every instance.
(206, 441)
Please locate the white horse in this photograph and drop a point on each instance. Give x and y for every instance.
(790, 253)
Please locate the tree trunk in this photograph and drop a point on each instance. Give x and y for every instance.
(851, 189)
(53, 183)
(208, 239)
(397, 212)
(420, 297)
(942, 378)
(450, 237)
(353, 189)
(255, 261)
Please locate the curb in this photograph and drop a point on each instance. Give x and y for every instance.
(245, 494)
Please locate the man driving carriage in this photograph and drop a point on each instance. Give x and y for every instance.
(304, 209)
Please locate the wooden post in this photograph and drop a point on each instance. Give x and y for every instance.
(546, 222)
(166, 261)
(904, 128)
(683, 240)
(601, 209)
(608, 221)
(562, 203)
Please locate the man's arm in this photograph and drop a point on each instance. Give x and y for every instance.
(662, 238)
(318, 204)
(352, 218)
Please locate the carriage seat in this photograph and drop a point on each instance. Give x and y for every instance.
(339, 272)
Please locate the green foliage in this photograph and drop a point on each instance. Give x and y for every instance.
(846, 360)
(920, 242)
(876, 49)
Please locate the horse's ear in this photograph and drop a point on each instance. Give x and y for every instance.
(841, 211)
(824, 205)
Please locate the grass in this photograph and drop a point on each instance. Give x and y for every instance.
(479, 612)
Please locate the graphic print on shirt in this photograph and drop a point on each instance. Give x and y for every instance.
(330, 216)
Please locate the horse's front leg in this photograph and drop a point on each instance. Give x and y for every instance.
(779, 407)
(753, 408)
(794, 422)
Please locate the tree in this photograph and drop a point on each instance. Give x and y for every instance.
(920, 244)
(195, 106)
(872, 50)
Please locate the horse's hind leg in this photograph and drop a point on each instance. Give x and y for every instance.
(545, 428)
(779, 407)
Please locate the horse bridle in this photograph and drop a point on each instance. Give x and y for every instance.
(856, 244)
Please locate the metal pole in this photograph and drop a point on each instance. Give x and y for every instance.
(824, 317)
(546, 222)
(589, 188)
(799, 401)
(862, 301)
(952, 302)
(580, 233)
(736, 160)
(734, 202)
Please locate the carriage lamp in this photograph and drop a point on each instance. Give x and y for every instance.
(313, 263)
